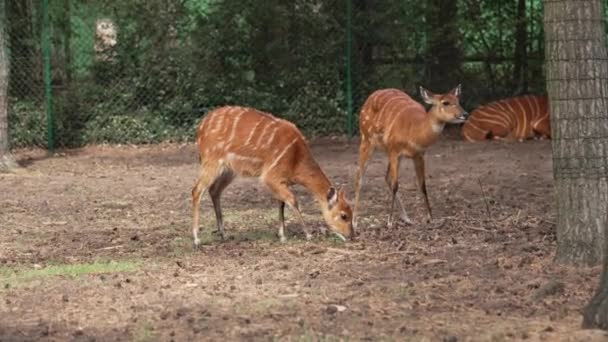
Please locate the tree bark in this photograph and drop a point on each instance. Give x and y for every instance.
(577, 83)
(20, 38)
(595, 314)
(443, 55)
(7, 162)
(520, 68)
(364, 44)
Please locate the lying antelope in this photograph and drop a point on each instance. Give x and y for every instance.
(238, 141)
(516, 118)
(393, 121)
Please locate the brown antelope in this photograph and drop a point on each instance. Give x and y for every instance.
(238, 141)
(516, 118)
(393, 121)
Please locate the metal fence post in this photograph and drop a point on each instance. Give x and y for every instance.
(349, 67)
(46, 56)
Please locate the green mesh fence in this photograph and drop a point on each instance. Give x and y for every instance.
(146, 71)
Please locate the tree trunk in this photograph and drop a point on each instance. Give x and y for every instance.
(443, 55)
(595, 314)
(364, 43)
(520, 69)
(21, 40)
(577, 83)
(67, 44)
(7, 162)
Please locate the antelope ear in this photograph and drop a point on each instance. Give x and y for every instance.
(332, 197)
(342, 194)
(456, 91)
(427, 96)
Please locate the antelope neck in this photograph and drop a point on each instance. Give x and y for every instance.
(314, 179)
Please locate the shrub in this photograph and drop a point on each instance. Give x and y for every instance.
(27, 124)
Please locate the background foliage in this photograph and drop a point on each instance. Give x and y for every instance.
(175, 60)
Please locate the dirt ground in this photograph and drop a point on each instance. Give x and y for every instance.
(480, 271)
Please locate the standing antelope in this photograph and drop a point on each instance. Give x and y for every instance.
(516, 118)
(238, 141)
(393, 121)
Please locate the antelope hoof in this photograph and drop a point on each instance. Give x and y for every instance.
(283, 239)
(406, 220)
(197, 243)
(308, 236)
(390, 223)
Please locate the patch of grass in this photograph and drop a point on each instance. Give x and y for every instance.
(257, 235)
(10, 277)
(251, 225)
(311, 336)
(403, 292)
(145, 333)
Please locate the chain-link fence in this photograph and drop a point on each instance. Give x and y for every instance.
(145, 71)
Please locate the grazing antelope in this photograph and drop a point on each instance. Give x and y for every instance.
(516, 118)
(238, 141)
(392, 120)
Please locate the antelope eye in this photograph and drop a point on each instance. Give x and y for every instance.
(445, 103)
(344, 217)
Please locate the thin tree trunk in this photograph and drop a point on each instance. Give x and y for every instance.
(364, 45)
(7, 162)
(443, 53)
(67, 44)
(20, 39)
(520, 69)
(577, 83)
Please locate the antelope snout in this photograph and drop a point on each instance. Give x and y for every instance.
(464, 115)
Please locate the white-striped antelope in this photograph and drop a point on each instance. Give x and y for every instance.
(516, 118)
(238, 141)
(391, 120)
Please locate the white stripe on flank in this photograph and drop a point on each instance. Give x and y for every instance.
(390, 126)
(382, 110)
(523, 115)
(253, 132)
(277, 159)
(530, 107)
(491, 122)
(495, 113)
(496, 119)
(539, 113)
(507, 112)
(233, 156)
(474, 126)
(220, 120)
(274, 132)
(236, 122)
(261, 138)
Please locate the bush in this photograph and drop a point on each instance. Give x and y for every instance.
(122, 129)
(27, 124)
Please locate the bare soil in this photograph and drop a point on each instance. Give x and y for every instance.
(481, 270)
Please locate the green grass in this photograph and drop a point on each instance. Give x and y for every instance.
(10, 277)
(145, 333)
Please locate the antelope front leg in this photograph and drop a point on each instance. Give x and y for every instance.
(419, 166)
(282, 221)
(283, 194)
(215, 191)
(205, 178)
(404, 216)
(365, 151)
(393, 173)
